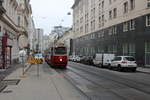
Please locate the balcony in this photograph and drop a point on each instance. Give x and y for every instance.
(2, 9)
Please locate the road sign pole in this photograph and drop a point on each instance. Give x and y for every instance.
(38, 70)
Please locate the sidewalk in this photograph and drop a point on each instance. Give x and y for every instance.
(143, 69)
(49, 85)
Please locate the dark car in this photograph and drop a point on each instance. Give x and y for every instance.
(87, 60)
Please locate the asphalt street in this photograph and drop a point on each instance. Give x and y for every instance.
(104, 84)
(77, 82)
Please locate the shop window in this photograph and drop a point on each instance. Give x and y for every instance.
(125, 26)
(132, 49)
(148, 20)
(147, 53)
(132, 24)
(125, 49)
(148, 3)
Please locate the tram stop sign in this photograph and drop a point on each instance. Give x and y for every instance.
(23, 41)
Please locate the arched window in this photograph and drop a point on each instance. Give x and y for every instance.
(18, 20)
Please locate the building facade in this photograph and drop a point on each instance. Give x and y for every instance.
(112, 26)
(8, 32)
(67, 39)
(46, 43)
(14, 19)
(31, 35)
(39, 40)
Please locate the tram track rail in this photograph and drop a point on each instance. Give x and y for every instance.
(126, 82)
(70, 80)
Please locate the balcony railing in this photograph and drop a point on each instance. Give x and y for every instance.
(2, 9)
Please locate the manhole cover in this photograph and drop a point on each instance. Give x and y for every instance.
(11, 82)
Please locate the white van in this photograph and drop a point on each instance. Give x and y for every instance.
(103, 60)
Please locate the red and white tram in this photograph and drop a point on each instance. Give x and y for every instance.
(57, 56)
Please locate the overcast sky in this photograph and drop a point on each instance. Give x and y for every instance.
(49, 13)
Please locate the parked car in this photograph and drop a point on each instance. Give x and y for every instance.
(74, 58)
(82, 59)
(70, 58)
(103, 60)
(122, 62)
(87, 60)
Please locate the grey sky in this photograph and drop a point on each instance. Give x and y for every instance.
(49, 13)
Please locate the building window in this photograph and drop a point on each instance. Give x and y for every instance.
(93, 24)
(125, 26)
(115, 12)
(0, 29)
(125, 49)
(125, 7)
(92, 36)
(103, 20)
(110, 31)
(102, 4)
(18, 20)
(110, 15)
(148, 3)
(81, 29)
(114, 49)
(110, 1)
(147, 52)
(86, 27)
(99, 22)
(132, 3)
(148, 20)
(115, 30)
(132, 24)
(131, 49)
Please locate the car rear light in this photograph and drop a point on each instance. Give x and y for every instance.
(124, 62)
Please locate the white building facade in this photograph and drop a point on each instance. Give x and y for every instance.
(112, 26)
(39, 40)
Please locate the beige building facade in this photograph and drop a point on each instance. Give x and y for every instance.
(14, 21)
(67, 38)
(9, 25)
(121, 27)
(94, 15)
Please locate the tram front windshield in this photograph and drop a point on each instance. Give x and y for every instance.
(60, 50)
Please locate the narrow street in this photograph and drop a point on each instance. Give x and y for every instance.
(77, 82)
(104, 84)
(75, 50)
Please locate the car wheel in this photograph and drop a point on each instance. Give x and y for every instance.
(109, 67)
(133, 69)
(119, 68)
